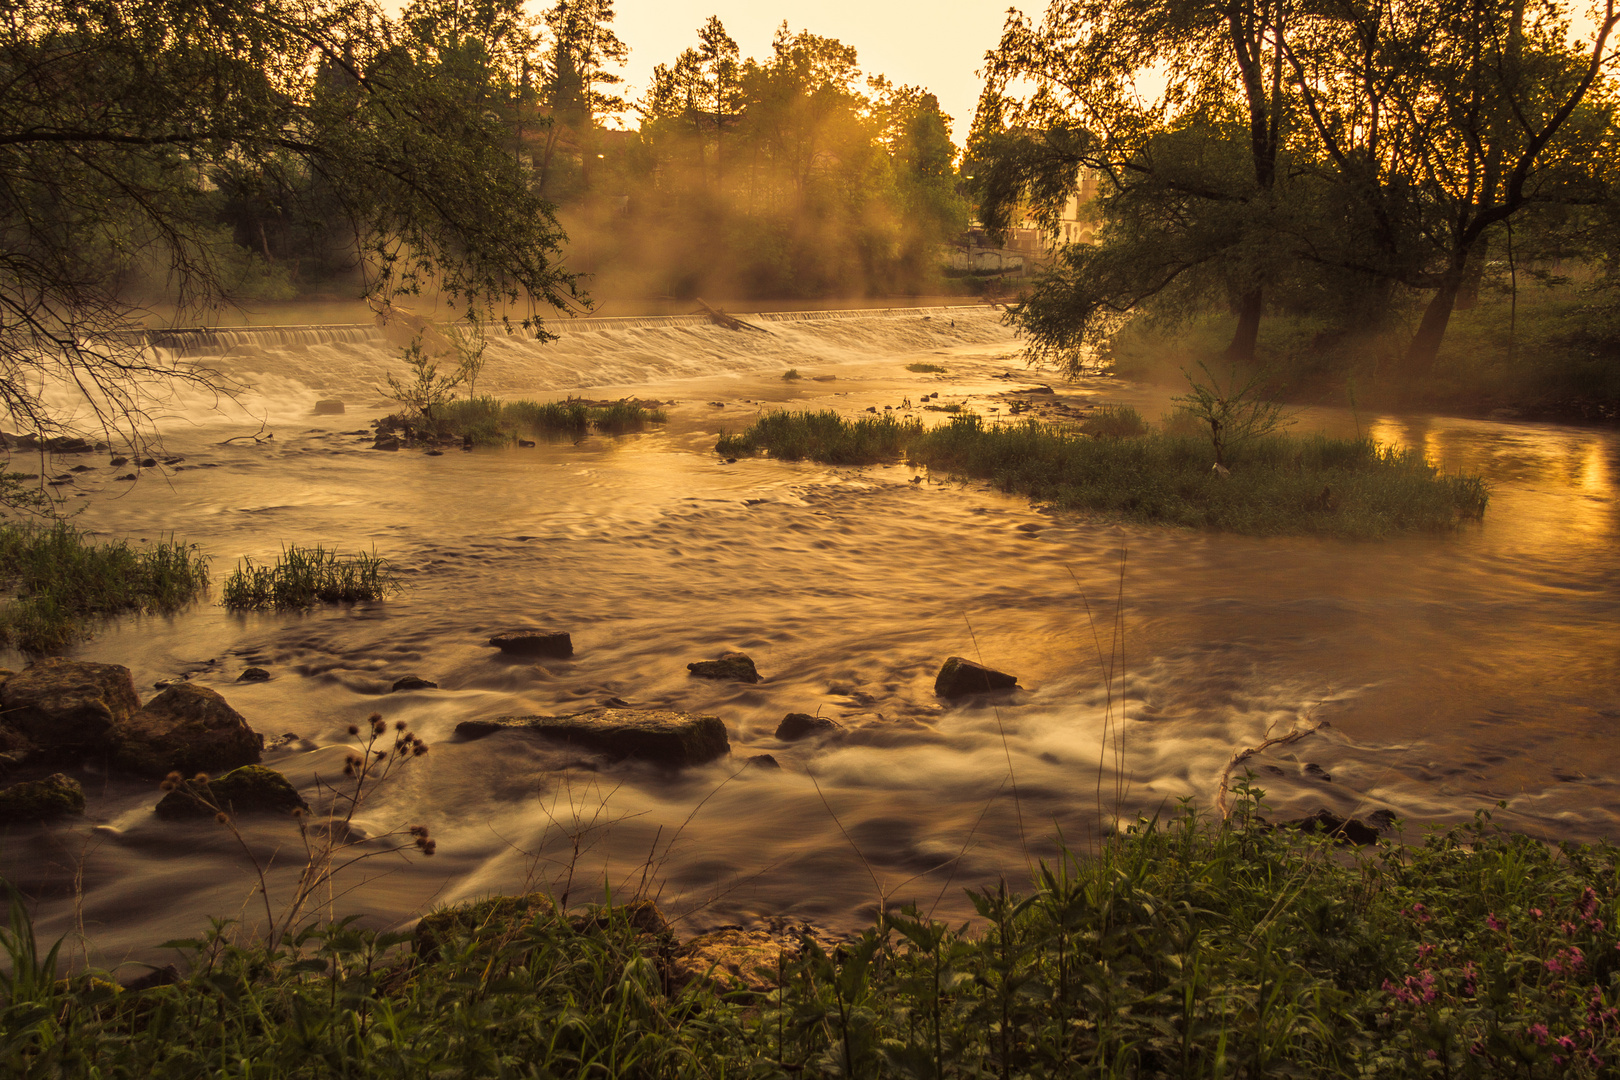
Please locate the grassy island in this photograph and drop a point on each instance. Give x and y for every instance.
(1181, 949)
(1276, 484)
(488, 421)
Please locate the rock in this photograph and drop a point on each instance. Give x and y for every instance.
(1344, 830)
(69, 706)
(733, 959)
(796, 725)
(147, 463)
(732, 666)
(329, 407)
(493, 920)
(118, 461)
(82, 468)
(642, 916)
(1316, 772)
(959, 677)
(411, 682)
(661, 735)
(41, 800)
(386, 442)
(288, 741)
(527, 444)
(1382, 820)
(534, 642)
(126, 476)
(69, 444)
(187, 728)
(167, 975)
(252, 789)
(764, 761)
(253, 674)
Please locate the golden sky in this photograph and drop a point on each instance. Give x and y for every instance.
(938, 44)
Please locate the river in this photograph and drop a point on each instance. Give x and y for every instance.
(1452, 671)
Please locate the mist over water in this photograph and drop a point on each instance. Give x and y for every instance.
(1453, 671)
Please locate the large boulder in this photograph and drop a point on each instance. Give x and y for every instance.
(732, 667)
(534, 642)
(661, 735)
(187, 728)
(959, 677)
(40, 800)
(252, 789)
(1342, 830)
(66, 707)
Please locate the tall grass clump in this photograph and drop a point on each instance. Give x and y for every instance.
(1183, 948)
(1276, 484)
(925, 369)
(488, 421)
(63, 580)
(304, 576)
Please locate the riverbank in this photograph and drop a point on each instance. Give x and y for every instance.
(1179, 948)
(1556, 358)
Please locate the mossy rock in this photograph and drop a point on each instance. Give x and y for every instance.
(69, 707)
(252, 789)
(660, 735)
(56, 796)
(188, 728)
(486, 920)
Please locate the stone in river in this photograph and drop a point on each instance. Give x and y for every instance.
(661, 735)
(1344, 830)
(329, 407)
(187, 728)
(796, 725)
(253, 674)
(40, 800)
(68, 706)
(534, 642)
(732, 666)
(252, 789)
(959, 677)
(412, 682)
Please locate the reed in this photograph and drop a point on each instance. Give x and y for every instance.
(1278, 484)
(64, 581)
(304, 576)
(488, 421)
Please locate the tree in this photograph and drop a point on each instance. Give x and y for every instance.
(1070, 92)
(578, 80)
(1443, 121)
(117, 115)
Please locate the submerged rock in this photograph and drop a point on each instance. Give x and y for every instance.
(497, 919)
(253, 674)
(329, 407)
(732, 666)
(1344, 830)
(252, 789)
(764, 761)
(412, 682)
(959, 677)
(54, 797)
(535, 642)
(68, 706)
(661, 735)
(797, 725)
(187, 728)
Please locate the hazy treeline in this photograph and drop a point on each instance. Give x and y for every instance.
(791, 175)
(1376, 167)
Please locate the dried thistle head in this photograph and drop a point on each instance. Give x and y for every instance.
(201, 778)
(419, 749)
(223, 818)
(378, 727)
(173, 778)
(419, 831)
(399, 725)
(354, 729)
(168, 785)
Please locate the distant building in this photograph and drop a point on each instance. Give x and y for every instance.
(1027, 245)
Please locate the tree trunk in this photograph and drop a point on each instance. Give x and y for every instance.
(1473, 274)
(1425, 347)
(1241, 350)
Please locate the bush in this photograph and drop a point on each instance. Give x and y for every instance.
(64, 581)
(488, 421)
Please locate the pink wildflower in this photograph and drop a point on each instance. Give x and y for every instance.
(1538, 1032)
(1494, 923)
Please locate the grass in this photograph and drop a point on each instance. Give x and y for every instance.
(488, 421)
(64, 581)
(304, 576)
(1279, 484)
(1187, 948)
(791, 375)
(925, 369)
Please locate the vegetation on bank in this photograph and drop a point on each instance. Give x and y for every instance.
(1181, 949)
(304, 576)
(488, 421)
(63, 581)
(1553, 356)
(1276, 484)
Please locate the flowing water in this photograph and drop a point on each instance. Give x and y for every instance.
(1452, 671)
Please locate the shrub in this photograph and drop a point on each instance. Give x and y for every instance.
(304, 576)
